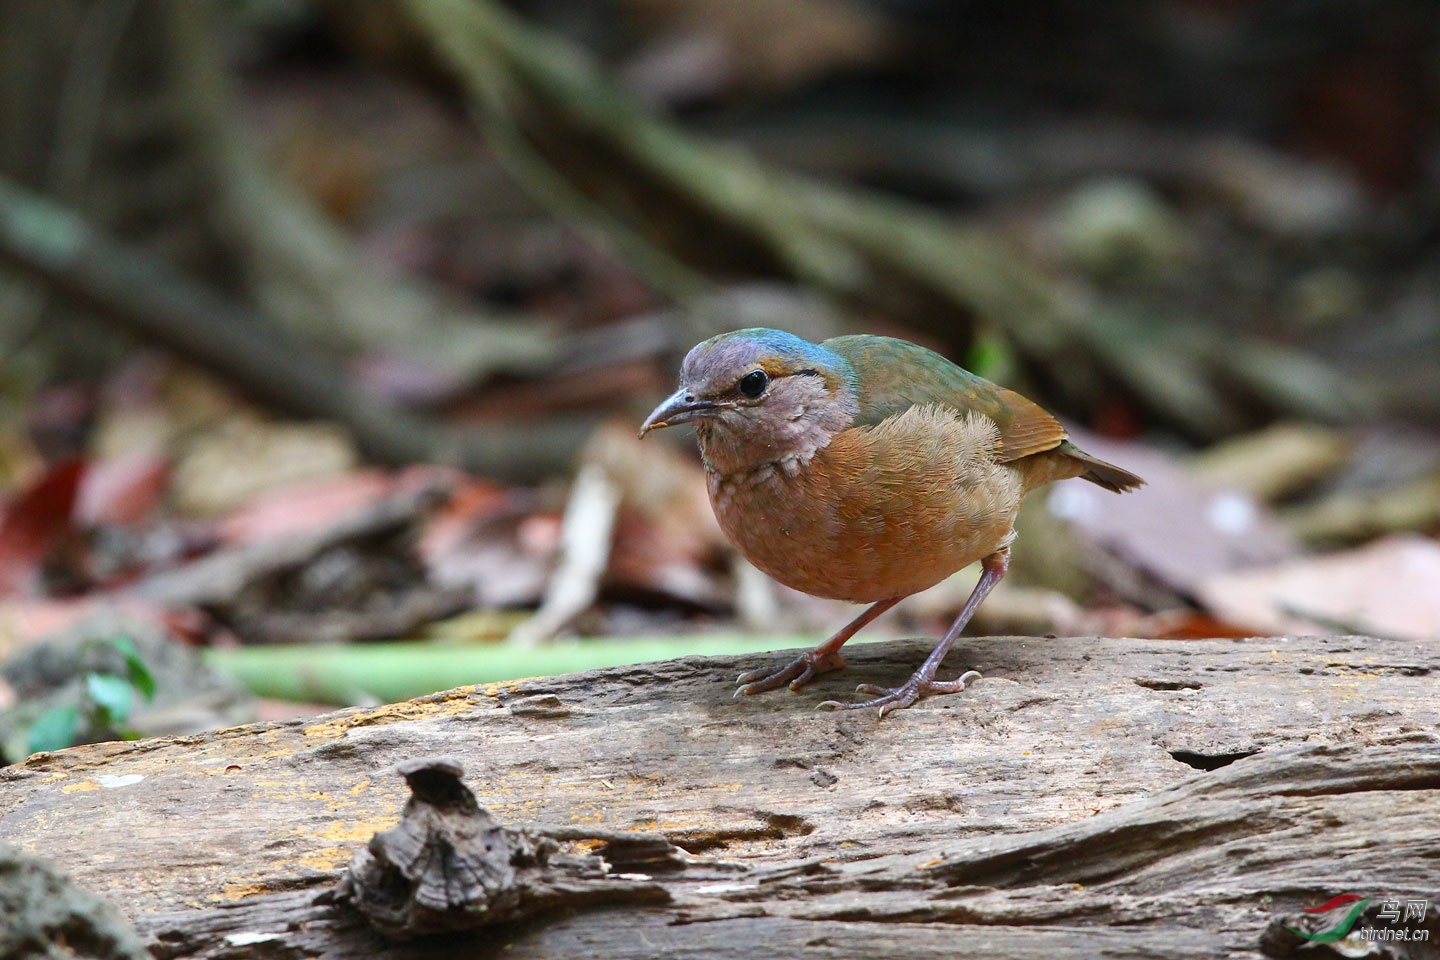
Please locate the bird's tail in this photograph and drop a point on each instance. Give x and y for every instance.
(1101, 473)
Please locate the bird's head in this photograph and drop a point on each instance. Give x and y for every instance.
(759, 395)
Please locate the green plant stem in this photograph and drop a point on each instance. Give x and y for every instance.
(356, 673)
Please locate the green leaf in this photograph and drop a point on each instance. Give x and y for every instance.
(112, 695)
(54, 730)
(140, 676)
(990, 356)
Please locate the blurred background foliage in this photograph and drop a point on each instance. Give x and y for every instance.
(326, 326)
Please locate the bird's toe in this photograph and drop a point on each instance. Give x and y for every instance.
(886, 699)
(889, 698)
(796, 674)
(953, 686)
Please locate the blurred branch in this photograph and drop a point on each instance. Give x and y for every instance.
(1351, 517)
(220, 577)
(82, 99)
(717, 209)
(1279, 194)
(156, 303)
(303, 270)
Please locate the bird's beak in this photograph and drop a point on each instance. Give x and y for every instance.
(679, 407)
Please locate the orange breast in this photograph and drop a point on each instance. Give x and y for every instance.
(880, 512)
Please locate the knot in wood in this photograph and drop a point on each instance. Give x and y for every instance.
(448, 865)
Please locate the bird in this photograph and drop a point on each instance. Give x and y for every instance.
(866, 468)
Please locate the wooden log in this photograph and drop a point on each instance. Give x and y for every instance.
(1089, 797)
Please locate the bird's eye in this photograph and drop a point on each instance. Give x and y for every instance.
(753, 383)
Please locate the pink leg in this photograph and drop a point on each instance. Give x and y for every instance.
(923, 681)
(822, 659)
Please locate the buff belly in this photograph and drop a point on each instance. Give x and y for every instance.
(869, 518)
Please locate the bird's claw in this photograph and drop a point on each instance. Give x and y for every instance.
(898, 698)
(797, 673)
(891, 698)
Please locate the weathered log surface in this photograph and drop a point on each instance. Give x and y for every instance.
(1059, 808)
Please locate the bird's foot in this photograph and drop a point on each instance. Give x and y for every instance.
(797, 673)
(898, 698)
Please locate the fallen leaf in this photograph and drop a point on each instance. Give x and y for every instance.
(305, 506)
(1175, 529)
(1270, 464)
(124, 490)
(35, 523)
(492, 540)
(24, 621)
(701, 48)
(471, 503)
(586, 534)
(244, 457)
(59, 419)
(1389, 588)
(666, 538)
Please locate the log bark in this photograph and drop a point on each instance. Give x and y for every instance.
(1089, 797)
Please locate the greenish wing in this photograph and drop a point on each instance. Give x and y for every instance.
(895, 375)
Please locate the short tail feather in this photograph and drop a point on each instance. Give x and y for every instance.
(1101, 473)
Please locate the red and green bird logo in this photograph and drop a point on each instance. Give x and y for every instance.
(1342, 928)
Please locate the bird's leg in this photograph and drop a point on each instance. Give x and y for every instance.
(923, 681)
(822, 659)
